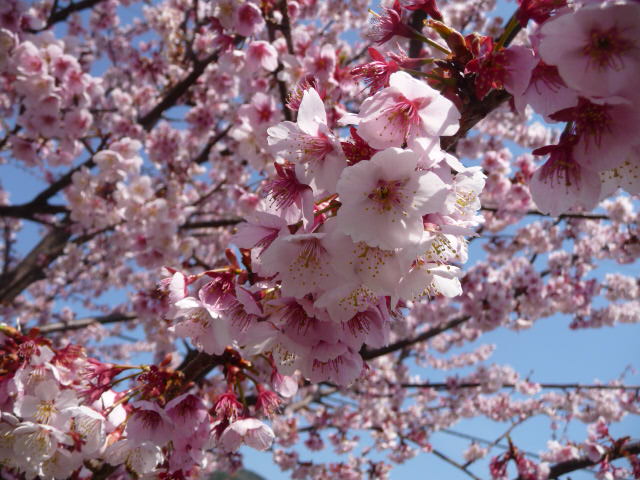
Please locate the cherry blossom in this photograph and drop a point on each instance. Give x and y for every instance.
(223, 227)
(311, 142)
(595, 48)
(405, 110)
(384, 193)
(249, 431)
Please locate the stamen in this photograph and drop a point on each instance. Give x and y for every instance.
(606, 49)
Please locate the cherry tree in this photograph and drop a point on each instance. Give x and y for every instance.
(283, 195)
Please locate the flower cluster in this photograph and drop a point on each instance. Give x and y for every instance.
(342, 243)
(62, 415)
(56, 95)
(584, 74)
(315, 253)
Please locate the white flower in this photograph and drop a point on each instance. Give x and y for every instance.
(384, 199)
(249, 431)
(141, 458)
(310, 142)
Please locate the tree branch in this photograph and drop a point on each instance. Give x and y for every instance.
(473, 113)
(585, 216)
(61, 15)
(65, 180)
(562, 468)
(271, 32)
(203, 156)
(550, 386)
(148, 120)
(416, 22)
(484, 441)
(85, 322)
(32, 267)
(452, 462)
(394, 347)
(28, 211)
(223, 222)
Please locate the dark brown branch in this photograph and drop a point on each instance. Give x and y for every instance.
(32, 267)
(484, 441)
(203, 156)
(473, 113)
(223, 222)
(29, 211)
(4, 141)
(285, 26)
(550, 386)
(282, 87)
(394, 347)
(585, 216)
(64, 181)
(562, 468)
(416, 22)
(196, 365)
(85, 322)
(58, 16)
(6, 254)
(148, 120)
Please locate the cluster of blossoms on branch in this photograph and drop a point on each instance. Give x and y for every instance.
(63, 414)
(584, 73)
(344, 240)
(352, 245)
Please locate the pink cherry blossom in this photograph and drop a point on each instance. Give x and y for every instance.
(301, 262)
(376, 74)
(184, 273)
(140, 458)
(333, 362)
(427, 6)
(595, 48)
(311, 142)
(320, 62)
(261, 54)
(604, 130)
(29, 59)
(508, 68)
(562, 183)
(200, 321)
(247, 431)
(407, 109)
(248, 19)
(547, 93)
(384, 199)
(383, 28)
(626, 175)
(148, 423)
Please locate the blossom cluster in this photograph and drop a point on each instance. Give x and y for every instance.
(347, 236)
(582, 71)
(44, 75)
(63, 414)
(316, 252)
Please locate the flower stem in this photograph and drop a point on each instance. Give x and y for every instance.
(418, 36)
(510, 31)
(449, 81)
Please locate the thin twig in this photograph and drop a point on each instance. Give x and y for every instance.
(85, 322)
(451, 461)
(584, 216)
(550, 386)
(394, 347)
